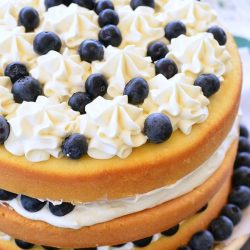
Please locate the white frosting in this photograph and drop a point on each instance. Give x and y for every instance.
(38, 128)
(121, 65)
(179, 99)
(113, 126)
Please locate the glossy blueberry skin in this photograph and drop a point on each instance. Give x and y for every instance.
(32, 205)
(137, 90)
(108, 16)
(103, 5)
(78, 101)
(244, 131)
(202, 240)
(46, 41)
(241, 176)
(244, 144)
(29, 18)
(209, 84)
(26, 89)
(144, 242)
(232, 212)
(52, 3)
(157, 51)
(219, 34)
(23, 244)
(158, 128)
(15, 71)
(4, 129)
(91, 50)
(137, 3)
(172, 231)
(6, 195)
(240, 196)
(89, 4)
(242, 159)
(166, 67)
(110, 35)
(62, 209)
(175, 29)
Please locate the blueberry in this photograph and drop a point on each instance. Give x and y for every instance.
(240, 196)
(29, 18)
(137, 90)
(79, 100)
(62, 209)
(52, 3)
(209, 84)
(91, 50)
(241, 176)
(166, 67)
(172, 231)
(46, 41)
(157, 50)
(23, 244)
(219, 34)
(232, 212)
(184, 248)
(88, 4)
(137, 3)
(4, 129)
(144, 242)
(15, 71)
(103, 5)
(96, 85)
(110, 35)
(175, 29)
(31, 204)
(244, 131)
(204, 208)
(49, 248)
(26, 89)
(6, 195)
(75, 146)
(68, 2)
(158, 128)
(242, 159)
(108, 17)
(244, 145)
(202, 240)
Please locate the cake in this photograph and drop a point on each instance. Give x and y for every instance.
(119, 126)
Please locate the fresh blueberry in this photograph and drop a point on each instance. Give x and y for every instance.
(172, 231)
(175, 29)
(240, 196)
(15, 71)
(75, 146)
(202, 240)
(110, 35)
(242, 159)
(23, 244)
(137, 3)
(232, 212)
(244, 145)
(108, 16)
(157, 51)
(204, 208)
(209, 84)
(219, 34)
(88, 4)
(96, 85)
(137, 90)
(184, 248)
(6, 195)
(52, 3)
(144, 242)
(62, 209)
(79, 100)
(244, 131)
(26, 89)
(50, 248)
(158, 128)
(103, 5)
(31, 204)
(46, 41)
(4, 129)
(29, 18)
(241, 176)
(166, 67)
(91, 50)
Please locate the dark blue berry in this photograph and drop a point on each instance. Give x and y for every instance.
(241, 176)
(46, 41)
(62, 209)
(244, 145)
(242, 159)
(29, 18)
(79, 100)
(4, 129)
(137, 3)
(157, 51)
(110, 35)
(52, 3)
(26, 89)
(232, 212)
(31, 204)
(184, 248)
(175, 29)
(67, 2)
(91, 50)
(15, 71)
(108, 16)
(209, 84)
(96, 85)
(166, 67)
(137, 90)
(103, 5)
(244, 131)
(6, 195)
(171, 231)
(240, 196)
(23, 244)
(219, 34)
(75, 146)
(203, 209)
(202, 240)
(88, 4)
(50, 248)
(144, 242)
(158, 128)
